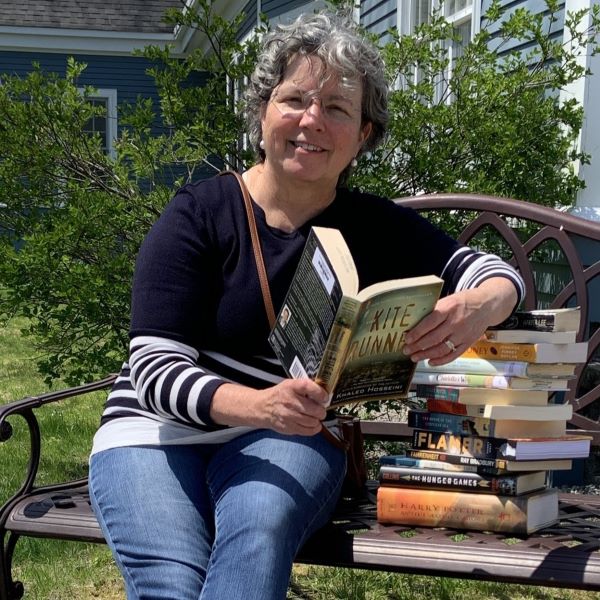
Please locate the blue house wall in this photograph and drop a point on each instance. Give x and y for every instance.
(125, 74)
(378, 17)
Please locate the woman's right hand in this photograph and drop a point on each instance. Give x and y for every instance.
(292, 407)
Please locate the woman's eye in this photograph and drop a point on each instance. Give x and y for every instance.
(292, 100)
(338, 109)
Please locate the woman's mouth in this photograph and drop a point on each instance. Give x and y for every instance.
(307, 147)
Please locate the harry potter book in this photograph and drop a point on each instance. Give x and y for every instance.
(349, 341)
(519, 515)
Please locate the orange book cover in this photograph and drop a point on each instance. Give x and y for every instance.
(467, 510)
(531, 353)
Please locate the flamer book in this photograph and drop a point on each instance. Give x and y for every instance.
(440, 479)
(465, 510)
(349, 341)
(552, 319)
(530, 353)
(473, 395)
(538, 448)
(486, 427)
(492, 466)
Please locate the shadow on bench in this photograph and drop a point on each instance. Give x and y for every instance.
(567, 555)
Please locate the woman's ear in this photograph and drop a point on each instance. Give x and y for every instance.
(365, 132)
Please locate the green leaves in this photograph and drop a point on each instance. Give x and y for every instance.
(496, 123)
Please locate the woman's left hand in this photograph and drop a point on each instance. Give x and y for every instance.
(459, 320)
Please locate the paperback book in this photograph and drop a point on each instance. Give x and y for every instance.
(349, 341)
(502, 382)
(441, 479)
(486, 427)
(482, 366)
(528, 336)
(550, 412)
(491, 465)
(530, 353)
(512, 448)
(472, 395)
(552, 319)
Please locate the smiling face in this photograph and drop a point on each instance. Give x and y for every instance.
(312, 124)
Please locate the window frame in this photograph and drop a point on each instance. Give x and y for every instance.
(110, 95)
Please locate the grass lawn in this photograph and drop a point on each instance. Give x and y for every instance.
(55, 570)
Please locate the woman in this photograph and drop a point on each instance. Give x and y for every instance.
(206, 488)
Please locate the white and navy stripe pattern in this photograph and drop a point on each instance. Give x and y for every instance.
(196, 287)
(468, 268)
(170, 381)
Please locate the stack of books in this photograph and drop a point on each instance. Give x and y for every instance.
(482, 449)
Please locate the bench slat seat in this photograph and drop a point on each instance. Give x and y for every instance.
(567, 555)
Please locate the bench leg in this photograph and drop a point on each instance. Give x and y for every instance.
(9, 589)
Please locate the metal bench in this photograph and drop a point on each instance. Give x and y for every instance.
(567, 555)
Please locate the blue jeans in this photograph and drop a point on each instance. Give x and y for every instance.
(214, 523)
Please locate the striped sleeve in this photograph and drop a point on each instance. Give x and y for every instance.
(468, 268)
(175, 381)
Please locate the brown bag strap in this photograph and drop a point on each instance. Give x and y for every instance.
(264, 283)
(260, 263)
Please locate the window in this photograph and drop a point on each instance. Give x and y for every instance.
(105, 125)
(462, 14)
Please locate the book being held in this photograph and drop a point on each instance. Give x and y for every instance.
(347, 340)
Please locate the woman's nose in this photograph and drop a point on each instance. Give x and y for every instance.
(314, 112)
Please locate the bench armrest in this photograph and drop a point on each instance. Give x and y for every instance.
(25, 409)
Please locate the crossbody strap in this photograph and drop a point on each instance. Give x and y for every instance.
(260, 263)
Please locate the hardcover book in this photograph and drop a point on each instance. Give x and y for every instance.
(519, 515)
(562, 412)
(492, 465)
(486, 427)
(349, 341)
(530, 353)
(441, 479)
(490, 381)
(473, 395)
(482, 366)
(511, 448)
(552, 319)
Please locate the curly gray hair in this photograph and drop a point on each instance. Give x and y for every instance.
(344, 52)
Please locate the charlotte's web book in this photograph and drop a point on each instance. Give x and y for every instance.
(347, 340)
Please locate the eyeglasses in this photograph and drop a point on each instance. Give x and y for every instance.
(294, 104)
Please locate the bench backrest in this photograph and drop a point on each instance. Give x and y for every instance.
(550, 248)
